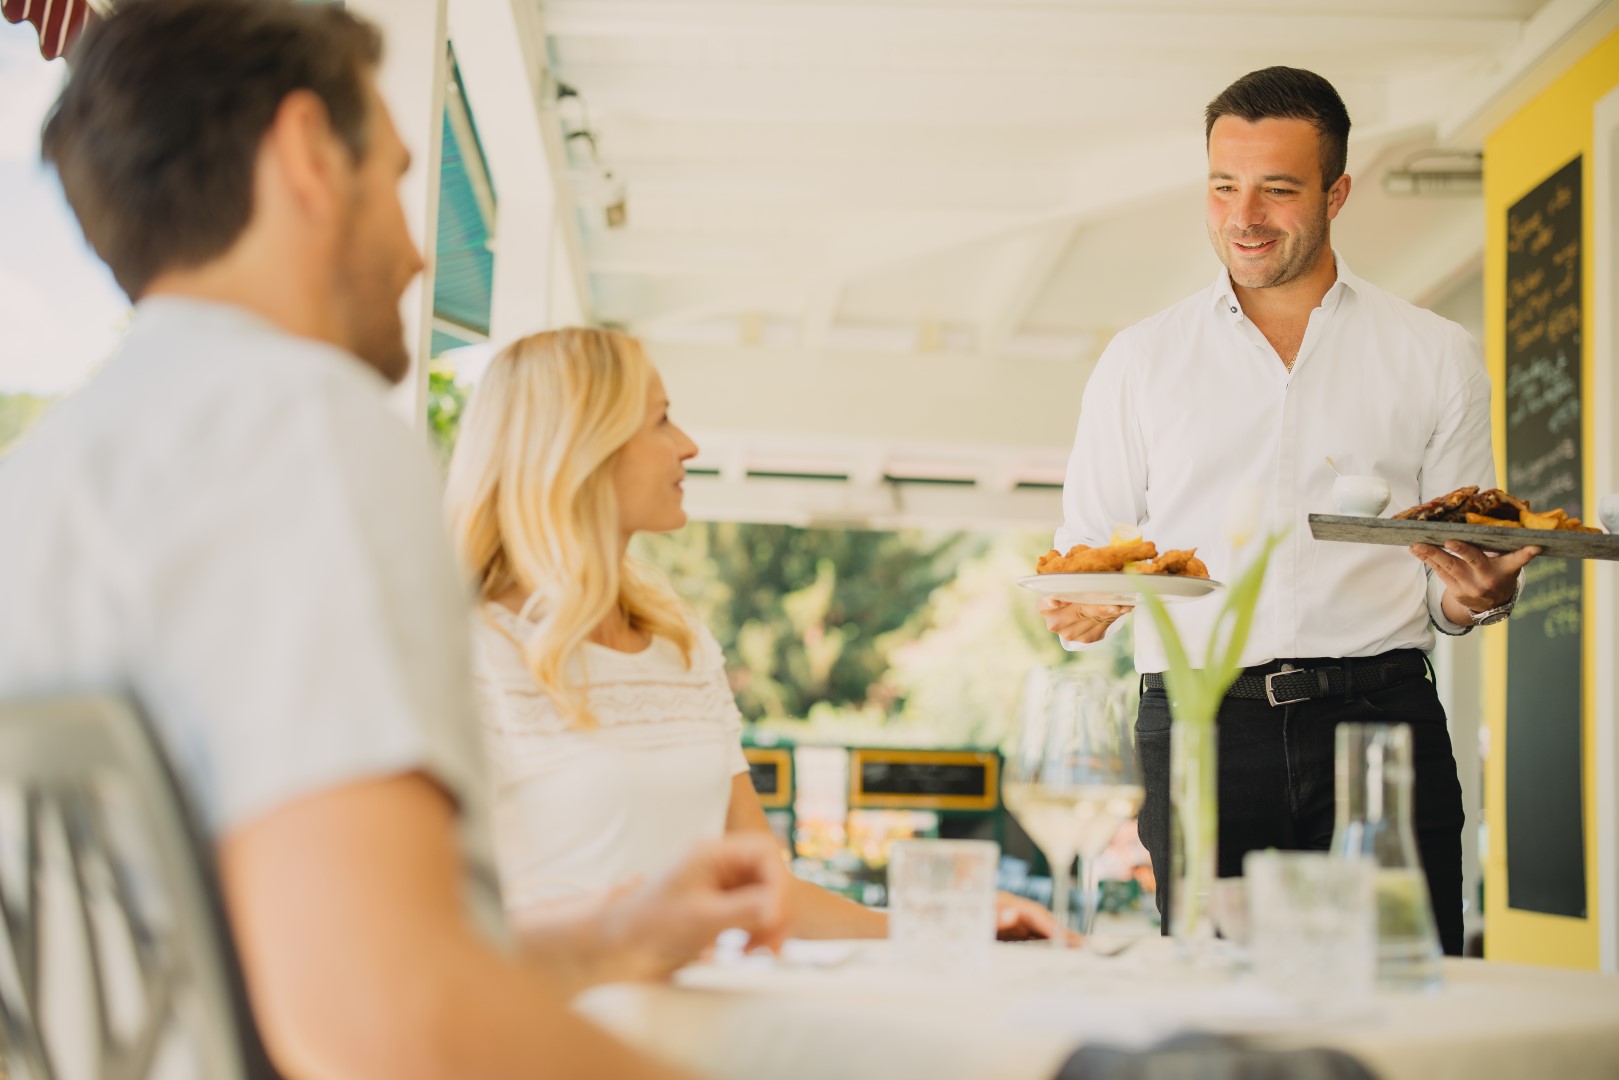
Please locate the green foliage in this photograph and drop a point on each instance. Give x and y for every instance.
(962, 679)
(901, 638)
(809, 615)
(446, 401)
(17, 414)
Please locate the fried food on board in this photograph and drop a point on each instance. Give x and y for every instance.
(1184, 563)
(1495, 503)
(1491, 507)
(1449, 507)
(1136, 556)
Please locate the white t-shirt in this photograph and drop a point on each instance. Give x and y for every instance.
(1190, 415)
(578, 810)
(229, 523)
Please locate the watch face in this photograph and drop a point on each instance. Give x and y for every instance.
(1492, 616)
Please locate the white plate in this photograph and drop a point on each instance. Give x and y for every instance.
(1122, 589)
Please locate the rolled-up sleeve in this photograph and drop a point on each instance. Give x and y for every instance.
(1460, 452)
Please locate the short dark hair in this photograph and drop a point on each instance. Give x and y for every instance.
(1284, 93)
(156, 134)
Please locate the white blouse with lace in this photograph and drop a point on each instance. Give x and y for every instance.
(578, 810)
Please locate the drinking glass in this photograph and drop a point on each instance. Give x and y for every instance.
(1312, 925)
(941, 901)
(1072, 779)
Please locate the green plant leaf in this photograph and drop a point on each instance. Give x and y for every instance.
(1197, 692)
(1183, 682)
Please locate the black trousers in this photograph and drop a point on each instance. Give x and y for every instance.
(1276, 782)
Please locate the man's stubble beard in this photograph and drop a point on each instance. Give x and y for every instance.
(372, 320)
(1306, 254)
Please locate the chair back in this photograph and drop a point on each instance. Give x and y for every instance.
(116, 961)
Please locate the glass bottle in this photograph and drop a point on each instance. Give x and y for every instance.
(1373, 821)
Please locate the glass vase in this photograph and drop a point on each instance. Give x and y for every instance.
(1194, 826)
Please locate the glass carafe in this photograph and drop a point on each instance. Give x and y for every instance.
(1374, 822)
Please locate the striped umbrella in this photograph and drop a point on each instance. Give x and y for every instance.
(58, 21)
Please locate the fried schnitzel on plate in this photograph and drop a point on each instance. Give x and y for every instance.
(1119, 588)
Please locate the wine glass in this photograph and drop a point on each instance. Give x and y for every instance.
(1072, 778)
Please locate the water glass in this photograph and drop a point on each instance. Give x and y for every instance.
(1312, 925)
(941, 901)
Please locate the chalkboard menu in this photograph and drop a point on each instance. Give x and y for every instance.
(1545, 838)
(771, 770)
(924, 779)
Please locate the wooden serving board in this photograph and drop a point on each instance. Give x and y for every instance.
(1558, 544)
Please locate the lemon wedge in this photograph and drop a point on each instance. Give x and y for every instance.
(1125, 534)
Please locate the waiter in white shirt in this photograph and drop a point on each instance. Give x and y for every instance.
(1241, 392)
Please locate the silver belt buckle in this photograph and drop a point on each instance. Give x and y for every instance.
(1270, 687)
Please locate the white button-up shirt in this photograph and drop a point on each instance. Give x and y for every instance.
(1191, 417)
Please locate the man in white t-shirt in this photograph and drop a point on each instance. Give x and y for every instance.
(228, 522)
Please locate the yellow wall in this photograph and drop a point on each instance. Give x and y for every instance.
(1545, 135)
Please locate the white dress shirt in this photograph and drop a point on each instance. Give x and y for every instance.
(577, 809)
(1191, 417)
(231, 524)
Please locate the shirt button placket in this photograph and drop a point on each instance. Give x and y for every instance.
(1284, 578)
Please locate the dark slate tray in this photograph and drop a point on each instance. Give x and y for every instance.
(1368, 530)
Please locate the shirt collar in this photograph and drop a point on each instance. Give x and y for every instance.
(1225, 294)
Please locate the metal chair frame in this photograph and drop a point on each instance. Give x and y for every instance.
(60, 759)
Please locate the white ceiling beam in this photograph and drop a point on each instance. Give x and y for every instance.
(825, 504)
(628, 139)
(745, 224)
(875, 457)
(1106, 185)
(989, 59)
(1558, 33)
(1026, 264)
(1117, 96)
(1124, 177)
(820, 312)
(840, 394)
(1086, 28)
(992, 185)
(664, 253)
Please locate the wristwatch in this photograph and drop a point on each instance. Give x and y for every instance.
(1490, 616)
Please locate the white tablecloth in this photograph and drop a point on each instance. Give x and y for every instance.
(869, 1015)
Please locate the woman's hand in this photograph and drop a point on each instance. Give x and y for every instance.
(1021, 919)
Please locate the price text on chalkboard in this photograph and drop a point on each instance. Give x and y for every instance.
(1544, 798)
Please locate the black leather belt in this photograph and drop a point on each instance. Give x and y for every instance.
(1287, 682)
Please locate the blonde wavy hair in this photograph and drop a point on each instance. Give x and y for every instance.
(531, 502)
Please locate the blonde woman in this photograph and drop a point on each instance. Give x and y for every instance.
(613, 736)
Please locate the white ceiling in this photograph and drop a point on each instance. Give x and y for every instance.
(867, 234)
